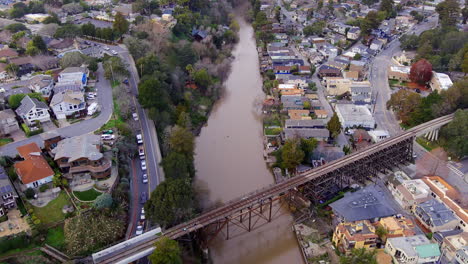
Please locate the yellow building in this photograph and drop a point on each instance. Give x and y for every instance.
(359, 234)
(397, 227)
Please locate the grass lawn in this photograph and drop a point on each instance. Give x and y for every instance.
(428, 145)
(89, 195)
(56, 237)
(52, 212)
(4, 141)
(273, 131)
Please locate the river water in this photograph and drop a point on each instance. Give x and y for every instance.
(229, 162)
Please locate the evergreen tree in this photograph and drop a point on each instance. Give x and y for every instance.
(334, 126)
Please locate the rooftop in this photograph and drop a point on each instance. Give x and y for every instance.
(351, 112)
(444, 80)
(409, 244)
(84, 146)
(436, 211)
(29, 103)
(400, 69)
(34, 166)
(306, 133)
(364, 204)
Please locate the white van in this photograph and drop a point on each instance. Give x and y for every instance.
(92, 108)
(139, 139)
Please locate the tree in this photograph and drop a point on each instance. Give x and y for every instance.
(93, 65)
(52, 19)
(39, 43)
(136, 47)
(178, 165)
(409, 42)
(449, 12)
(371, 21)
(465, 14)
(88, 29)
(319, 4)
(16, 27)
(334, 126)
(387, 6)
(18, 10)
(48, 30)
(29, 193)
(203, 79)
(454, 134)
(357, 56)
(424, 111)
(172, 202)
(464, 65)
(360, 256)
(381, 232)
(152, 93)
(12, 69)
(72, 59)
(292, 154)
(315, 29)
(68, 31)
(103, 201)
(167, 251)
(72, 8)
(308, 146)
(421, 72)
(403, 103)
(115, 68)
(182, 141)
(120, 24)
(36, 7)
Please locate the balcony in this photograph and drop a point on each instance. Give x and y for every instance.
(105, 165)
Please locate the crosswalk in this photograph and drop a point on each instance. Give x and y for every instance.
(455, 170)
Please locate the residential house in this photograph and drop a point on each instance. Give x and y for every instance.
(352, 75)
(282, 69)
(337, 85)
(74, 75)
(292, 102)
(358, 66)
(353, 33)
(304, 70)
(167, 15)
(361, 92)
(25, 65)
(440, 81)
(68, 104)
(352, 116)
(321, 134)
(42, 84)
(61, 45)
(8, 194)
(339, 27)
(325, 153)
(311, 123)
(81, 154)
(364, 204)
(51, 140)
(451, 245)
(299, 114)
(443, 192)
(299, 81)
(412, 250)
(397, 226)
(405, 57)
(34, 170)
(320, 113)
(63, 87)
(355, 235)
(435, 216)
(376, 44)
(400, 73)
(32, 109)
(8, 123)
(361, 139)
(409, 193)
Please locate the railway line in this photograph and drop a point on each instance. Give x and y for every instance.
(272, 191)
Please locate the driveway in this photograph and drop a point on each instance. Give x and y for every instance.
(80, 128)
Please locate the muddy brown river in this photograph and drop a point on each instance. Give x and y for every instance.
(229, 162)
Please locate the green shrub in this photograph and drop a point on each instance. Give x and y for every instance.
(44, 188)
(29, 193)
(17, 242)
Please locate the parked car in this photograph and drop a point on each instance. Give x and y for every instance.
(126, 81)
(142, 215)
(107, 137)
(145, 178)
(106, 48)
(139, 139)
(141, 151)
(139, 230)
(135, 116)
(143, 165)
(143, 197)
(113, 52)
(108, 132)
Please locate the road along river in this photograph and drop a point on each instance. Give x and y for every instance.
(230, 163)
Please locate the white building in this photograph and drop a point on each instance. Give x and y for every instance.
(32, 109)
(67, 104)
(378, 135)
(355, 116)
(440, 81)
(412, 250)
(42, 84)
(74, 75)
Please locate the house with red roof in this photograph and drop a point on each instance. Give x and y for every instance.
(34, 170)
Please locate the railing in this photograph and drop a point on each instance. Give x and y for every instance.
(100, 168)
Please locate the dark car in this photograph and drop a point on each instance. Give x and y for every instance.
(143, 197)
(108, 132)
(418, 91)
(125, 81)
